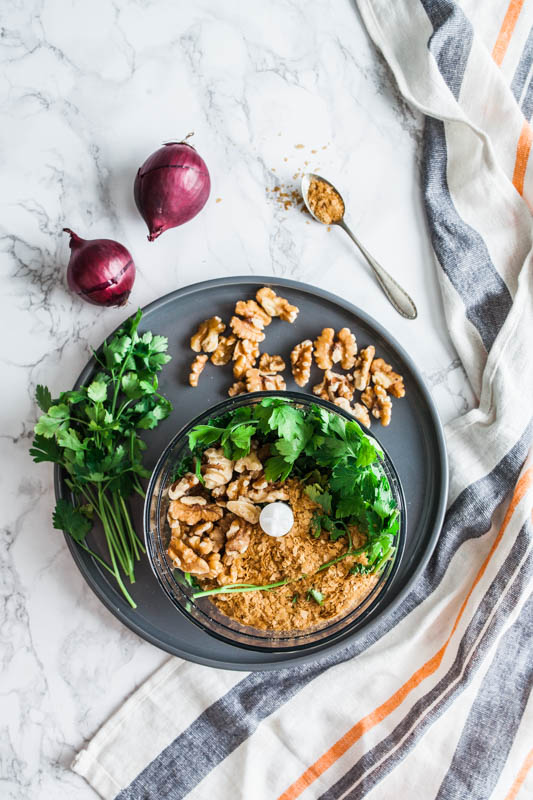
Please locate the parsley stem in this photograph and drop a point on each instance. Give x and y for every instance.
(114, 543)
(234, 588)
(119, 580)
(96, 556)
(348, 553)
(137, 543)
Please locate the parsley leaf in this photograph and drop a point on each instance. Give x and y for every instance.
(43, 398)
(276, 468)
(44, 449)
(314, 594)
(318, 495)
(204, 435)
(97, 391)
(56, 418)
(72, 520)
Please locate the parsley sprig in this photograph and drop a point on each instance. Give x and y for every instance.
(91, 433)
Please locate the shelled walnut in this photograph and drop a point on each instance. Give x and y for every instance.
(249, 463)
(302, 361)
(238, 537)
(257, 381)
(245, 355)
(269, 363)
(224, 352)
(195, 512)
(243, 507)
(331, 349)
(245, 329)
(363, 363)
(239, 387)
(323, 346)
(218, 469)
(251, 310)
(206, 337)
(378, 402)
(263, 491)
(183, 486)
(383, 375)
(333, 386)
(275, 305)
(357, 410)
(197, 367)
(360, 412)
(238, 487)
(184, 557)
(345, 349)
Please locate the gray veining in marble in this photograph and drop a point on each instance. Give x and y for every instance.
(88, 90)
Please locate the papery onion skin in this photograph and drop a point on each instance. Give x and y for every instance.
(101, 271)
(171, 187)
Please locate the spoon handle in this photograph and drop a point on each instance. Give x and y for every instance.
(399, 298)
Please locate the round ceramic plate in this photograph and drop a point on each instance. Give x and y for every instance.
(414, 441)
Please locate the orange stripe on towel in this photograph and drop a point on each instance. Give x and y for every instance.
(520, 778)
(522, 155)
(506, 30)
(379, 714)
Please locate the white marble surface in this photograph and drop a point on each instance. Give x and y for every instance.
(88, 90)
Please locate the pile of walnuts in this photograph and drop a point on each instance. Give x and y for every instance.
(254, 371)
(211, 524)
(371, 376)
(241, 346)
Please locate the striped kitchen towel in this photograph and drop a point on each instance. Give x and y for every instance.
(436, 702)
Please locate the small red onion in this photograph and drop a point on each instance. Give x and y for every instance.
(171, 187)
(100, 271)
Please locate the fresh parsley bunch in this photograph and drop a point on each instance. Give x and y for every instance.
(91, 433)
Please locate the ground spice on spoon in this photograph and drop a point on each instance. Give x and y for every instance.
(325, 203)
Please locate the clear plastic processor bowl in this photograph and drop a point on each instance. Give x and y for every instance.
(202, 611)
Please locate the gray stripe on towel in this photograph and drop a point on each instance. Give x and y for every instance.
(461, 251)
(524, 65)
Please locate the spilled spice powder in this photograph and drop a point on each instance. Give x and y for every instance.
(325, 203)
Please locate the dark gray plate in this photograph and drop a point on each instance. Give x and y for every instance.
(414, 441)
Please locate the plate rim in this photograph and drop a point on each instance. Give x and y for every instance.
(440, 511)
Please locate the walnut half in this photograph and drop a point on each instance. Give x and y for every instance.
(206, 337)
(258, 381)
(333, 386)
(197, 367)
(245, 329)
(302, 361)
(331, 349)
(378, 402)
(271, 363)
(275, 305)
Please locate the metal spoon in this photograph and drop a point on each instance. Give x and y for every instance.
(394, 292)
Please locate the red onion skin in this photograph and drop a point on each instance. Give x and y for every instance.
(171, 187)
(101, 271)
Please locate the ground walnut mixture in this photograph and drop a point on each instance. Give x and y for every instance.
(270, 559)
(215, 536)
(325, 203)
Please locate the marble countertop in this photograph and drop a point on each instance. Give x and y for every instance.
(88, 91)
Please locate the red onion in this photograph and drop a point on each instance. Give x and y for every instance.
(171, 187)
(100, 270)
